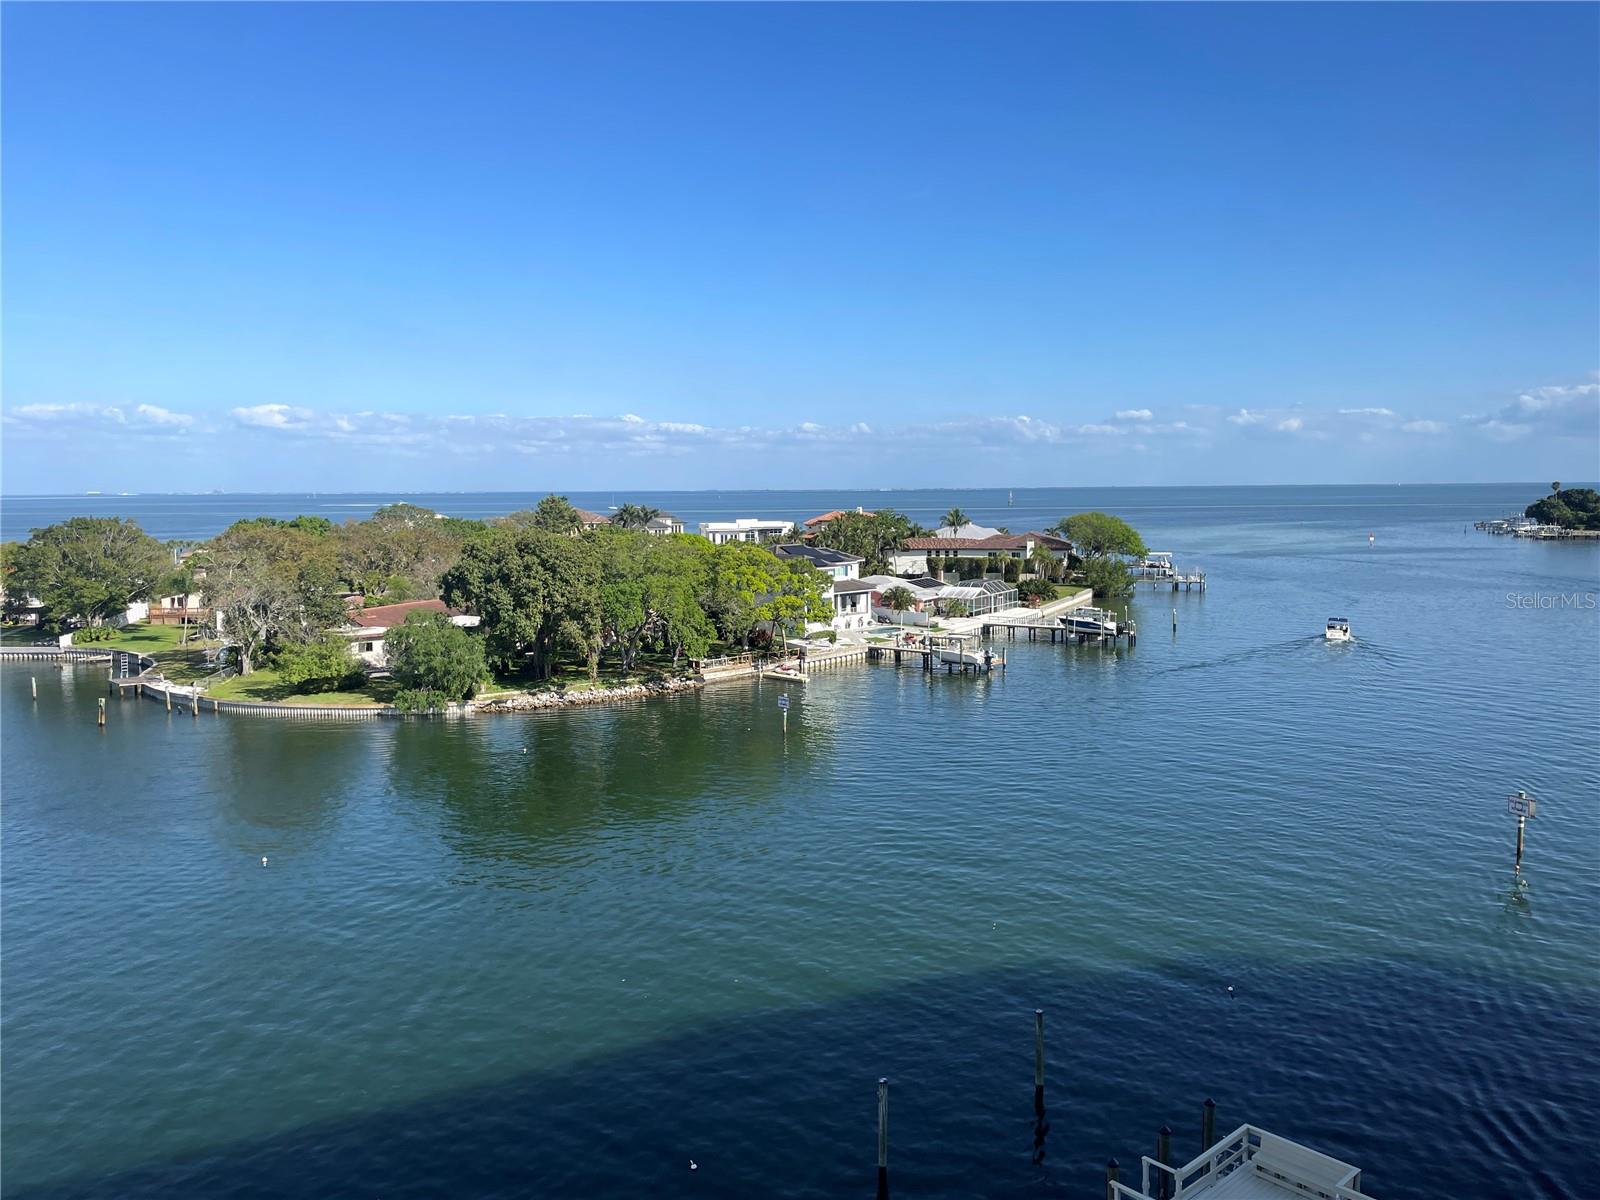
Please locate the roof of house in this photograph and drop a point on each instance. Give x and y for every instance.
(970, 530)
(851, 585)
(834, 515)
(384, 616)
(1000, 541)
(820, 555)
(922, 589)
(591, 518)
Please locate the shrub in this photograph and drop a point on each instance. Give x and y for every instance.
(956, 608)
(1109, 577)
(92, 633)
(421, 700)
(323, 665)
(429, 654)
(1035, 591)
(1012, 571)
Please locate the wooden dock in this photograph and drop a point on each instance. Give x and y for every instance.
(953, 652)
(1054, 631)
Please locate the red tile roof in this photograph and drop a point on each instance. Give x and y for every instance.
(386, 616)
(824, 518)
(588, 518)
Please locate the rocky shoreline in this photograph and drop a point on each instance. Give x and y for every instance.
(525, 701)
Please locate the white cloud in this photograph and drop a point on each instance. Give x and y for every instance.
(272, 416)
(1366, 412)
(1245, 417)
(1570, 411)
(1135, 414)
(1291, 425)
(154, 414)
(1423, 427)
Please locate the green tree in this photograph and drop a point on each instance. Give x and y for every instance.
(89, 568)
(873, 537)
(273, 584)
(428, 653)
(899, 599)
(634, 516)
(1109, 577)
(1574, 508)
(955, 519)
(956, 608)
(538, 593)
(1097, 534)
(553, 514)
(321, 664)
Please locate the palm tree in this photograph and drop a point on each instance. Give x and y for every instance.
(1042, 560)
(1555, 487)
(955, 519)
(634, 516)
(898, 599)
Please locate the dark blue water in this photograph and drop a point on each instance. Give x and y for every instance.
(668, 932)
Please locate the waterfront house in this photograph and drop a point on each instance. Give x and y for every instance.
(835, 564)
(662, 524)
(744, 529)
(971, 531)
(850, 596)
(365, 627)
(591, 520)
(913, 558)
(812, 524)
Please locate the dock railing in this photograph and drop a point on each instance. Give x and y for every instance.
(1303, 1171)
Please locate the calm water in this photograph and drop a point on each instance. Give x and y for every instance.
(666, 932)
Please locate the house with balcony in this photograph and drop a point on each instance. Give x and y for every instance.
(662, 524)
(745, 529)
(850, 596)
(913, 558)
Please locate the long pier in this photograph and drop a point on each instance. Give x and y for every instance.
(1054, 632)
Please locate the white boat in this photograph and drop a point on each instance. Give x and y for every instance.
(1093, 621)
(1338, 629)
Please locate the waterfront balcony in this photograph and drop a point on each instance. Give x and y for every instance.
(1247, 1164)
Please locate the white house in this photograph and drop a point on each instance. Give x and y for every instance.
(365, 627)
(745, 529)
(913, 560)
(850, 596)
(663, 523)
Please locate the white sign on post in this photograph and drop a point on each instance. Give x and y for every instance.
(1521, 805)
(783, 703)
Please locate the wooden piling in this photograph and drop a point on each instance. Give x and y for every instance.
(1164, 1157)
(1208, 1124)
(168, 694)
(1038, 1060)
(1522, 823)
(33, 682)
(1174, 620)
(1113, 1174)
(883, 1139)
(102, 711)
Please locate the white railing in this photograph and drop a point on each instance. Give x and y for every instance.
(1302, 1170)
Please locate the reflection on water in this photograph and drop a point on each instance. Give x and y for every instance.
(561, 954)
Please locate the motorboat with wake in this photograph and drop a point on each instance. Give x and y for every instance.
(1338, 629)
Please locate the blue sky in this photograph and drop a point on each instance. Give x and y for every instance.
(495, 246)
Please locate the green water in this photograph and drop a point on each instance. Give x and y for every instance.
(565, 954)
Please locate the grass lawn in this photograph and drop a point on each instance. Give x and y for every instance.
(263, 686)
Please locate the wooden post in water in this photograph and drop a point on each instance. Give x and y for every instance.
(1208, 1124)
(1174, 620)
(1038, 1060)
(102, 711)
(168, 694)
(33, 682)
(1113, 1174)
(1164, 1157)
(194, 705)
(883, 1139)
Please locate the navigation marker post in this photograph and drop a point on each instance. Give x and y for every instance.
(783, 705)
(1521, 806)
